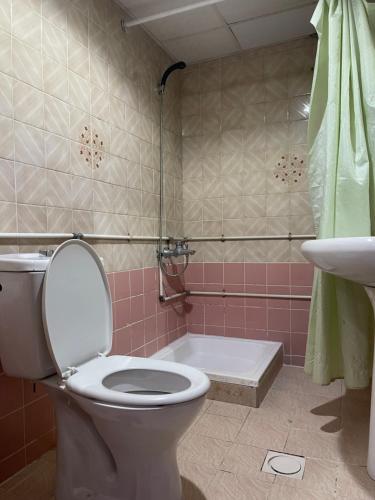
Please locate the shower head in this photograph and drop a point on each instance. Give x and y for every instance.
(168, 71)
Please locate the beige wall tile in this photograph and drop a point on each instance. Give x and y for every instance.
(55, 11)
(6, 96)
(28, 104)
(27, 24)
(31, 184)
(78, 24)
(79, 91)
(56, 116)
(6, 138)
(5, 53)
(7, 181)
(5, 15)
(27, 63)
(29, 144)
(31, 218)
(59, 189)
(8, 217)
(59, 220)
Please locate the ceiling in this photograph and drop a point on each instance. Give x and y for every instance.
(223, 28)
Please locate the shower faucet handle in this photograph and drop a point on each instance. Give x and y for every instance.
(177, 248)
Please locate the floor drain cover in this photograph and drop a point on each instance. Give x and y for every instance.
(284, 464)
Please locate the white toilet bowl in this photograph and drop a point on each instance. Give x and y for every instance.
(119, 418)
(123, 444)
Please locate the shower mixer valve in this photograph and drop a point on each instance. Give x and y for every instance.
(180, 248)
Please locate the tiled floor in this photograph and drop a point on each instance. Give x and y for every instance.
(221, 455)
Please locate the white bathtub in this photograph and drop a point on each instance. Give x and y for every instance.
(223, 359)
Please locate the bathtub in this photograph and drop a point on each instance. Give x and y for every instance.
(239, 369)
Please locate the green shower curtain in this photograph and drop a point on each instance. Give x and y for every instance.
(341, 170)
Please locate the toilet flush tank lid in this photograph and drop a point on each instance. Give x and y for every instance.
(77, 308)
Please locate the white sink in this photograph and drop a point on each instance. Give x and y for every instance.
(352, 259)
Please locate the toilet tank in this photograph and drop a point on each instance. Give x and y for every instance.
(23, 347)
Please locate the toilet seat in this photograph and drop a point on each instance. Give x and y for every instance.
(132, 381)
(76, 307)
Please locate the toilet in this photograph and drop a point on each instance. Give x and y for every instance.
(119, 418)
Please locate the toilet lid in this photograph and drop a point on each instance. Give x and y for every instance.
(77, 308)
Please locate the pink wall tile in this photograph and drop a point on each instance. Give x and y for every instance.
(302, 274)
(214, 315)
(214, 273)
(196, 314)
(257, 301)
(234, 273)
(11, 433)
(151, 332)
(38, 418)
(192, 328)
(194, 273)
(140, 353)
(150, 279)
(11, 394)
(300, 320)
(137, 308)
(297, 361)
(235, 301)
(300, 290)
(253, 334)
(256, 318)
(122, 285)
(136, 282)
(162, 323)
(122, 313)
(279, 320)
(215, 330)
(151, 348)
(12, 464)
(299, 341)
(39, 446)
(122, 341)
(278, 274)
(151, 303)
(255, 274)
(213, 299)
(137, 335)
(280, 290)
(235, 332)
(172, 319)
(162, 341)
(32, 391)
(235, 317)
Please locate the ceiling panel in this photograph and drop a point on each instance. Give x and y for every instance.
(203, 46)
(188, 23)
(224, 28)
(274, 28)
(241, 10)
(140, 8)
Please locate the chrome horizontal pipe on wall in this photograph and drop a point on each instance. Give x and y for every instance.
(251, 295)
(288, 237)
(127, 237)
(68, 236)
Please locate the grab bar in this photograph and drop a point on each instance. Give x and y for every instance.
(128, 237)
(222, 238)
(250, 295)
